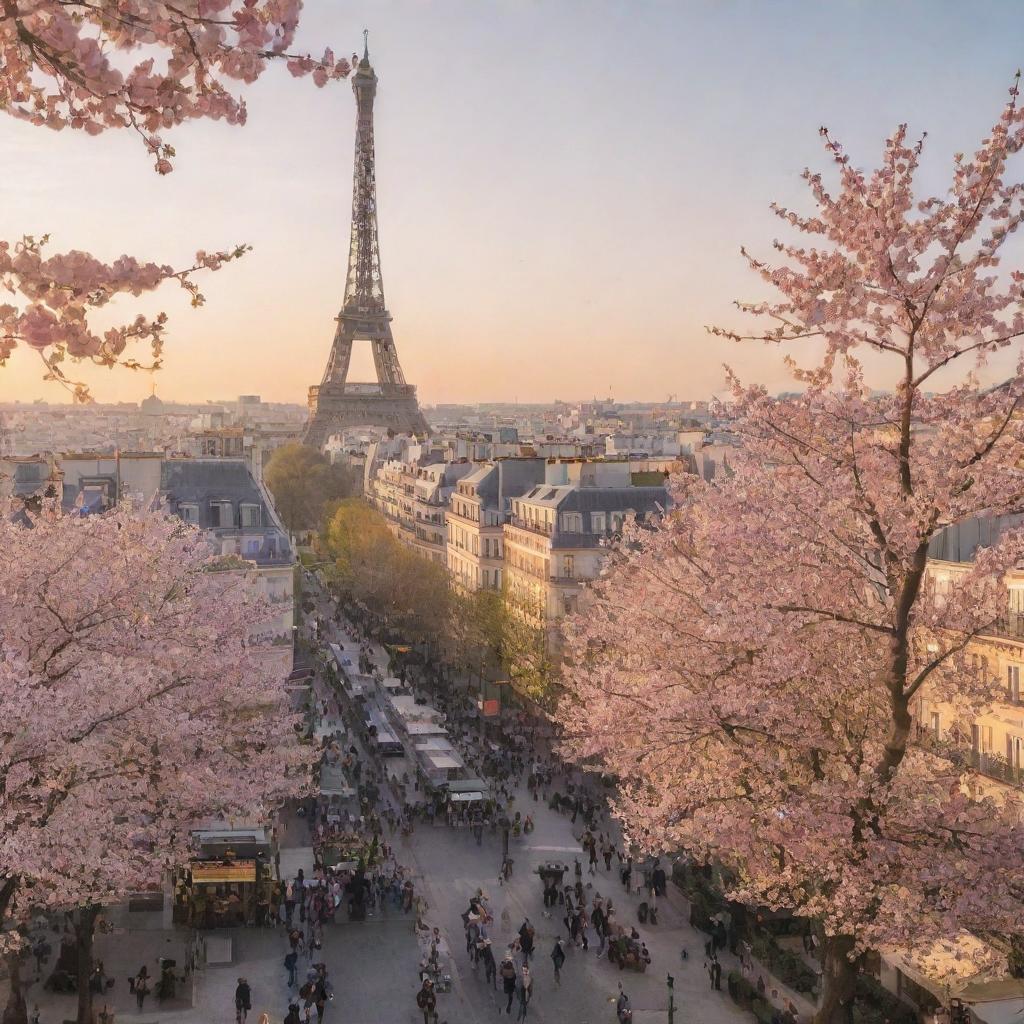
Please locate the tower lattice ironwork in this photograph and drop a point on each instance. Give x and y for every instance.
(390, 402)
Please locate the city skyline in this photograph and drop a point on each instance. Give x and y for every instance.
(533, 249)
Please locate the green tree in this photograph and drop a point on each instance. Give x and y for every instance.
(303, 482)
(476, 628)
(373, 567)
(527, 648)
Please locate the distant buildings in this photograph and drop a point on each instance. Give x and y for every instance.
(240, 428)
(530, 517)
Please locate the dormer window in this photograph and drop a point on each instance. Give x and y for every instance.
(250, 515)
(222, 514)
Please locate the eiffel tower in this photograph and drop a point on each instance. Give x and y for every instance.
(338, 403)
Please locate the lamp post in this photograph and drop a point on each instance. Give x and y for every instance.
(671, 999)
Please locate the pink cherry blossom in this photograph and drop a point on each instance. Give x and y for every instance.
(751, 667)
(133, 703)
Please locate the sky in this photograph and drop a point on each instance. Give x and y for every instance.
(563, 188)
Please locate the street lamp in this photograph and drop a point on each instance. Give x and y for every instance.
(671, 999)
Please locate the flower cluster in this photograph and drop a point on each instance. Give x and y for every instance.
(133, 703)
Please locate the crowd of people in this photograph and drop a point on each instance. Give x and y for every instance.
(517, 761)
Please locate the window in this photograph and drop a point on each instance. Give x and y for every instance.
(189, 512)
(221, 514)
(249, 515)
(617, 519)
(597, 521)
(1015, 751)
(572, 522)
(935, 724)
(569, 603)
(569, 567)
(1013, 683)
(981, 739)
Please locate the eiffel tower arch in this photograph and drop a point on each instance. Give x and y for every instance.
(389, 402)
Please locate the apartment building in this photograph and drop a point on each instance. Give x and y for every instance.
(555, 539)
(477, 511)
(993, 743)
(432, 488)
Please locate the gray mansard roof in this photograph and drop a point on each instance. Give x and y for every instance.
(202, 482)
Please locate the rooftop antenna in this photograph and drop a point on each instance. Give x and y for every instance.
(366, 45)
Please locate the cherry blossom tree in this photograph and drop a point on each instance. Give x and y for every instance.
(69, 64)
(133, 703)
(751, 666)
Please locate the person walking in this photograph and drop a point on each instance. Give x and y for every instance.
(141, 986)
(290, 962)
(581, 928)
(426, 1000)
(558, 959)
(289, 903)
(508, 979)
(526, 934)
(243, 1000)
(524, 990)
(490, 967)
(597, 919)
(715, 974)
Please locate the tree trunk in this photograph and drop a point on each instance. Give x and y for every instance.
(85, 926)
(838, 981)
(15, 1012)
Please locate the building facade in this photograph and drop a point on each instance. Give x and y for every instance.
(477, 512)
(557, 535)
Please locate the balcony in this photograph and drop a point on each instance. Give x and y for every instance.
(991, 765)
(996, 767)
(524, 524)
(1010, 627)
(566, 539)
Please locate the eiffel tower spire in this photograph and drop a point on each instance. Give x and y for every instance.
(391, 402)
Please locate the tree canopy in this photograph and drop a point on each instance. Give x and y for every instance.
(750, 668)
(134, 702)
(375, 568)
(304, 482)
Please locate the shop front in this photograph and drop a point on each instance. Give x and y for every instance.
(230, 882)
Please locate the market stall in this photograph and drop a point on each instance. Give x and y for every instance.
(229, 883)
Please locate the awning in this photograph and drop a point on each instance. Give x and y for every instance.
(442, 761)
(217, 871)
(466, 786)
